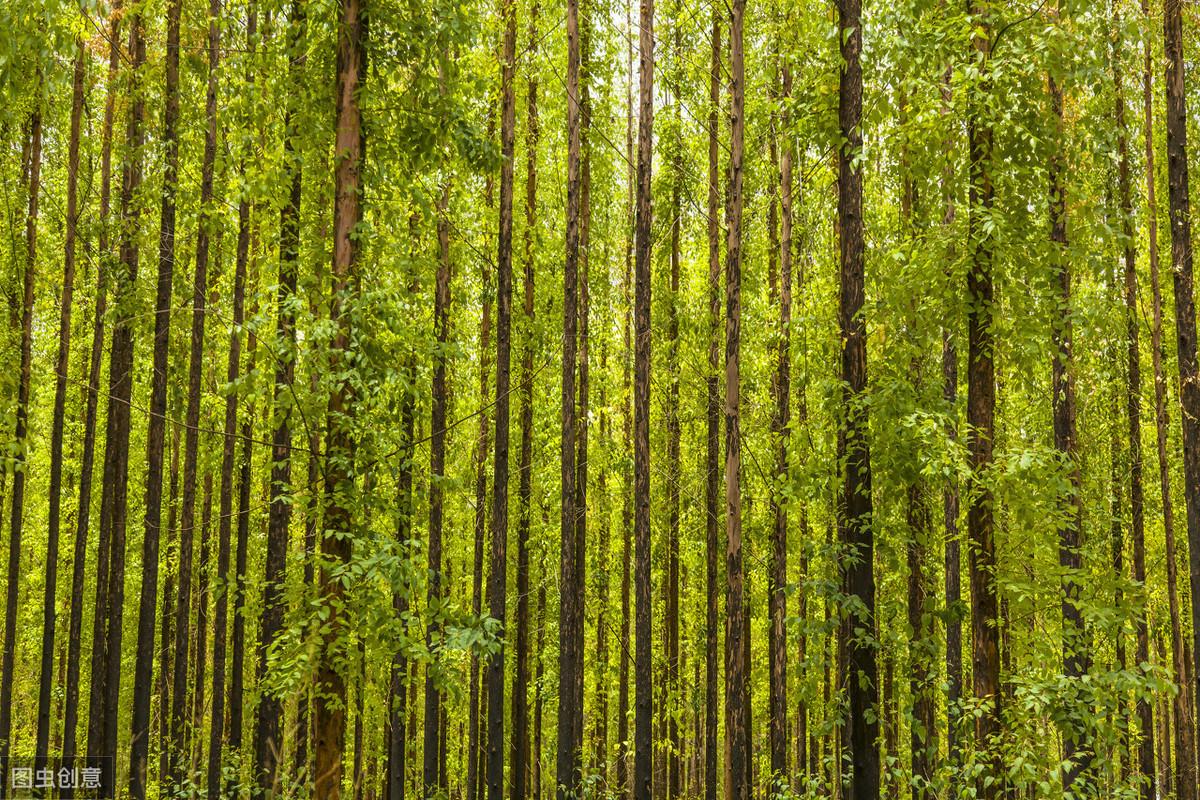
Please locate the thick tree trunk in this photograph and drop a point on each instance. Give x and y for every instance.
(713, 419)
(54, 520)
(860, 673)
(981, 415)
(349, 150)
(643, 711)
(1185, 306)
(1185, 742)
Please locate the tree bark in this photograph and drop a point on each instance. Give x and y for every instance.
(349, 151)
(855, 520)
(49, 610)
(643, 711)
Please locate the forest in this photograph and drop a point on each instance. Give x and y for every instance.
(598, 400)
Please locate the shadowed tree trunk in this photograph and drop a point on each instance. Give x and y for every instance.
(643, 713)
(1185, 742)
(713, 423)
(49, 611)
(349, 150)
(981, 415)
(860, 671)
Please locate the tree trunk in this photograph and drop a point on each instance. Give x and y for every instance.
(643, 712)
(569, 659)
(520, 747)
(713, 423)
(855, 520)
(20, 445)
(49, 609)
(1185, 307)
(349, 149)
(498, 575)
(1185, 742)
(1133, 389)
(156, 433)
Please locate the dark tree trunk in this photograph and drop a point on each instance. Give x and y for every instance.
(1185, 306)
(110, 576)
(1133, 389)
(860, 672)
(582, 380)
(401, 679)
(19, 436)
(1076, 659)
(92, 402)
(49, 609)
(349, 149)
(643, 712)
(539, 675)
(570, 612)
(777, 590)
(156, 433)
(437, 470)
(981, 421)
(1185, 742)
(498, 574)
(520, 747)
(712, 454)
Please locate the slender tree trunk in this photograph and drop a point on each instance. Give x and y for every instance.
(583, 379)
(49, 609)
(437, 470)
(713, 423)
(1076, 660)
(538, 680)
(1133, 394)
(643, 712)
(498, 575)
(781, 384)
(110, 584)
(19, 436)
(854, 523)
(156, 433)
(570, 659)
(1185, 743)
(520, 747)
(1185, 307)
(194, 739)
(349, 149)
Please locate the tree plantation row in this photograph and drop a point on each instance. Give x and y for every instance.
(505, 399)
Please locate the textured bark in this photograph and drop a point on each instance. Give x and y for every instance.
(20, 445)
(91, 403)
(981, 416)
(1076, 659)
(570, 660)
(520, 746)
(156, 432)
(1185, 742)
(780, 422)
(582, 378)
(349, 150)
(437, 469)
(498, 574)
(860, 672)
(713, 424)
(54, 520)
(110, 576)
(1133, 407)
(737, 699)
(1185, 306)
(643, 716)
